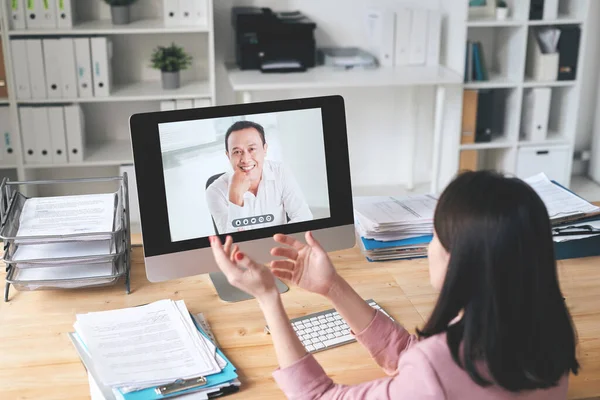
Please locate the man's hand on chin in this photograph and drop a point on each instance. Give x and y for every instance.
(240, 184)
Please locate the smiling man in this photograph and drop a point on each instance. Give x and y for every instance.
(259, 192)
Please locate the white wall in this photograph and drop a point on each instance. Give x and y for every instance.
(378, 120)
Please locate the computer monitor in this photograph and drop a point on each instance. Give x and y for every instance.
(247, 170)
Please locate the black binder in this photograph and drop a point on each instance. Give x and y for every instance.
(568, 49)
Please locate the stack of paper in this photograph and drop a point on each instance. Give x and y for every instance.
(135, 352)
(392, 228)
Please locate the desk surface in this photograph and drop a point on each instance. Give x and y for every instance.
(37, 359)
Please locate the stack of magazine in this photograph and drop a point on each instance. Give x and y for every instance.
(65, 242)
(153, 351)
(394, 228)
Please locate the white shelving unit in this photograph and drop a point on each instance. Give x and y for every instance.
(505, 52)
(136, 87)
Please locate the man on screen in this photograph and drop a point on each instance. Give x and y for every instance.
(259, 192)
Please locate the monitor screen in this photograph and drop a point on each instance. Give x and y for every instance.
(246, 172)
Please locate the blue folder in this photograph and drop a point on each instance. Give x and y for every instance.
(226, 375)
(372, 244)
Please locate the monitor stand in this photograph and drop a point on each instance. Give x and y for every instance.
(232, 294)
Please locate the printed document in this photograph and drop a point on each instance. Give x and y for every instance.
(65, 215)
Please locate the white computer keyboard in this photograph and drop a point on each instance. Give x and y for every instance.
(325, 329)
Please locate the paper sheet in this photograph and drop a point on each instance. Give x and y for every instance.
(558, 201)
(76, 271)
(64, 215)
(48, 251)
(593, 224)
(143, 346)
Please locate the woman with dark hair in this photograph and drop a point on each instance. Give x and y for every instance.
(500, 328)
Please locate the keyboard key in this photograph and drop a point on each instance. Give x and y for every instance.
(319, 346)
(329, 330)
(314, 335)
(346, 332)
(330, 324)
(301, 333)
(330, 319)
(308, 324)
(306, 337)
(315, 341)
(313, 319)
(295, 329)
(321, 317)
(310, 347)
(330, 336)
(337, 340)
(337, 317)
(309, 330)
(337, 333)
(339, 322)
(337, 328)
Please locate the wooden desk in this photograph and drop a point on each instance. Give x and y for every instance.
(37, 360)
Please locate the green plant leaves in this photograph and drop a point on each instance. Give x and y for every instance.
(170, 59)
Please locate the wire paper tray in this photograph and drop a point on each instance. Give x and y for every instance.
(79, 271)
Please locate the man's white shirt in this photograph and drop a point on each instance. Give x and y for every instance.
(278, 198)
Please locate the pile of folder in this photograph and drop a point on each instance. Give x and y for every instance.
(575, 221)
(154, 351)
(394, 228)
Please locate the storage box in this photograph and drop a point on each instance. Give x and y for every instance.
(551, 160)
(540, 66)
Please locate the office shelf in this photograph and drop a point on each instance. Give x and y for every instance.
(561, 20)
(7, 166)
(97, 155)
(493, 22)
(105, 27)
(529, 83)
(137, 91)
(553, 138)
(3, 102)
(496, 143)
(495, 82)
(326, 77)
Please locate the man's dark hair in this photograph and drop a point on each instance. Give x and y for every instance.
(239, 125)
(515, 331)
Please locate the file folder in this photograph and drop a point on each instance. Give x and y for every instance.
(381, 35)
(8, 154)
(64, 13)
(101, 74)
(418, 37)
(74, 131)
(83, 60)
(171, 12)
(434, 37)
(536, 113)
(550, 10)
(16, 15)
(167, 105)
(18, 48)
(186, 12)
(56, 125)
(35, 58)
(201, 103)
(28, 134)
(3, 80)
(68, 70)
(200, 11)
(42, 135)
(41, 14)
(52, 67)
(403, 22)
(182, 104)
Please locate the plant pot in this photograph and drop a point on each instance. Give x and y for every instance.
(170, 80)
(120, 15)
(501, 13)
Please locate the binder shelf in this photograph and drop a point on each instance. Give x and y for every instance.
(67, 260)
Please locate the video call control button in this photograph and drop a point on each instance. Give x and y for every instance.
(269, 218)
(261, 219)
(245, 221)
(253, 221)
(237, 222)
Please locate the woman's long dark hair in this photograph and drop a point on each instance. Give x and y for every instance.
(502, 275)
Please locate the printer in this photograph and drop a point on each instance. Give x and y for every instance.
(273, 42)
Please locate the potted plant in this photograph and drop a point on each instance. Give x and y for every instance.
(119, 11)
(170, 60)
(501, 10)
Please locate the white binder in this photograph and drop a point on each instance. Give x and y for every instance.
(16, 14)
(18, 48)
(381, 35)
(536, 113)
(64, 13)
(403, 22)
(52, 67)
(434, 37)
(68, 70)
(28, 134)
(8, 155)
(182, 104)
(74, 129)
(58, 138)
(83, 60)
(167, 105)
(187, 12)
(200, 13)
(41, 14)
(550, 10)
(101, 57)
(42, 135)
(171, 12)
(418, 37)
(201, 103)
(35, 57)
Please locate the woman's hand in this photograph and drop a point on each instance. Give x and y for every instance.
(241, 271)
(307, 266)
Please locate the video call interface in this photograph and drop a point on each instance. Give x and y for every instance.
(240, 173)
